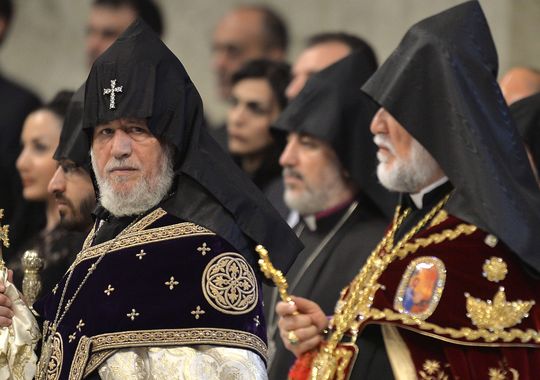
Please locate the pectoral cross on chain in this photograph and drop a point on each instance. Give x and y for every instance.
(112, 92)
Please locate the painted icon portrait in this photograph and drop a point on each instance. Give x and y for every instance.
(421, 287)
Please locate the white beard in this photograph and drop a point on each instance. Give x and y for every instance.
(146, 193)
(406, 176)
(316, 198)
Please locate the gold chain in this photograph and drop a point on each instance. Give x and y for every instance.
(48, 335)
(356, 304)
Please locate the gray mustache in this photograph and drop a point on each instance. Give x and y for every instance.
(290, 172)
(116, 164)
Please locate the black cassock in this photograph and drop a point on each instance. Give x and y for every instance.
(336, 255)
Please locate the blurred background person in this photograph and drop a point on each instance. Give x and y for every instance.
(519, 86)
(73, 190)
(16, 102)
(257, 99)
(72, 185)
(526, 114)
(323, 50)
(328, 170)
(518, 83)
(39, 139)
(245, 33)
(190, 29)
(109, 18)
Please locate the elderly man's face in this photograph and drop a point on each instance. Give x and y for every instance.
(404, 164)
(313, 176)
(394, 141)
(133, 169)
(74, 193)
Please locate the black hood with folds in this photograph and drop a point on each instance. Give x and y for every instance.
(440, 84)
(332, 107)
(210, 188)
(73, 144)
(526, 113)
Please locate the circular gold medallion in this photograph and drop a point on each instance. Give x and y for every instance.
(229, 284)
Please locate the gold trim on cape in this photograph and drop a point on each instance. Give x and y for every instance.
(138, 226)
(148, 220)
(528, 338)
(80, 358)
(105, 345)
(133, 239)
(52, 369)
(436, 238)
(180, 337)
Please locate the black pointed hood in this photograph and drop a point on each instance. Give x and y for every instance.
(332, 108)
(440, 84)
(73, 144)
(151, 83)
(526, 113)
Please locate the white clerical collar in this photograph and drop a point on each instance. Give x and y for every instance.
(311, 222)
(418, 198)
(293, 218)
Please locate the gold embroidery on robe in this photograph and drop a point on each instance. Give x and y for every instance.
(54, 367)
(503, 372)
(229, 284)
(495, 269)
(510, 338)
(76, 371)
(497, 314)
(432, 370)
(133, 239)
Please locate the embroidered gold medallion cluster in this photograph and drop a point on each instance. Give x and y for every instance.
(498, 314)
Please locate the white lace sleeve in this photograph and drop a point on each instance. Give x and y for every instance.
(184, 363)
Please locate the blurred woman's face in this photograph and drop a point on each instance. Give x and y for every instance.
(39, 139)
(253, 109)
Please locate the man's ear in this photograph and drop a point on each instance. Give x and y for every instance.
(276, 54)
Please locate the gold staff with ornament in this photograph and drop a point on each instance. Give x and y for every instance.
(278, 278)
(4, 230)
